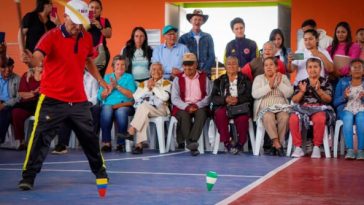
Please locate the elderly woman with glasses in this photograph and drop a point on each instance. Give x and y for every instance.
(349, 102)
(151, 100)
(117, 102)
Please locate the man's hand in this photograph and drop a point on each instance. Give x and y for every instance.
(191, 108)
(27, 57)
(2, 106)
(175, 72)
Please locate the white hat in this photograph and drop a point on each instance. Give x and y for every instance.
(77, 10)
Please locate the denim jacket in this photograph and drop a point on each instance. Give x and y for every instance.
(206, 58)
(339, 99)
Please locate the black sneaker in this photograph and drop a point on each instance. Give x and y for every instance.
(26, 184)
(121, 148)
(102, 174)
(60, 149)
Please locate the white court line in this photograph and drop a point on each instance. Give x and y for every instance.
(251, 186)
(107, 160)
(141, 173)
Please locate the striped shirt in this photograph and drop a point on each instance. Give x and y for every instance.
(272, 98)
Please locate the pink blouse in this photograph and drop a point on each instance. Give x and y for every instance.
(354, 52)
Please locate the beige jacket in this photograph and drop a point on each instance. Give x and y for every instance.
(261, 88)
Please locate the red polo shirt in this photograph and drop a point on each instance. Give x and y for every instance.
(64, 64)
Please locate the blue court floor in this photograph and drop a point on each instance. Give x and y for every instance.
(151, 178)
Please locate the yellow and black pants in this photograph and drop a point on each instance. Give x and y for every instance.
(49, 117)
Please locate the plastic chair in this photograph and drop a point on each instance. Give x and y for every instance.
(325, 142)
(338, 125)
(259, 140)
(159, 123)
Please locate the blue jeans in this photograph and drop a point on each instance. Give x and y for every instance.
(348, 119)
(107, 118)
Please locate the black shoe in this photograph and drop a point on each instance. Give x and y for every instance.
(26, 184)
(106, 148)
(137, 150)
(121, 148)
(60, 149)
(280, 152)
(126, 136)
(272, 151)
(192, 146)
(101, 174)
(195, 152)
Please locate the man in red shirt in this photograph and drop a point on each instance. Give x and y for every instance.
(65, 52)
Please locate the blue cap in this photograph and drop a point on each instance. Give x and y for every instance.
(168, 28)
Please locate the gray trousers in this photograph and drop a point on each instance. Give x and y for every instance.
(190, 125)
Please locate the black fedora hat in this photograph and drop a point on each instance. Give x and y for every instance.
(197, 12)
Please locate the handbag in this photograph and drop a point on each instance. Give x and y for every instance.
(99, 52)
(100, 57)
(233, 111)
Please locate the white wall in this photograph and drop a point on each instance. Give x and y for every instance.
(259, 22)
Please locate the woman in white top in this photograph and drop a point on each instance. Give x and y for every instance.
(271, 91)
(139, 54)
(297, 61)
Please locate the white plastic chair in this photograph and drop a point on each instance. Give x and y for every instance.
(325, 142)
(259, 138)
(159, 123)
(338, 125)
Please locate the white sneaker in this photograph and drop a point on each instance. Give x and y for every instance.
(298, 152)
(316, 152)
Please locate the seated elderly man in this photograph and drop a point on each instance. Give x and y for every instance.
(191, 92)
(9, 84)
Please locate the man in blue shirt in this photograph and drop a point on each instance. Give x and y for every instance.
(170, 53)
(9, 84)
(198, 42)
